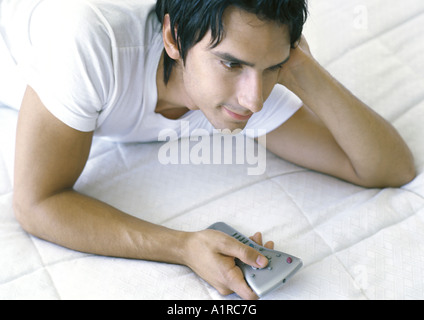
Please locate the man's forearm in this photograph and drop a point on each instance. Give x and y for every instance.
(375, 149)
(84, 224)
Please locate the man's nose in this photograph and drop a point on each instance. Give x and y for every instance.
(251, 92)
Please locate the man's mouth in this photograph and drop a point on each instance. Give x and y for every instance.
(237, 116)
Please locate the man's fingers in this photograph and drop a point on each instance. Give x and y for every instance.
(248, 255)
(239, 286)
(258, 239)
(234, 278)
(269, 245)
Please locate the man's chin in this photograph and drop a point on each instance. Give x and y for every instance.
(233, 128)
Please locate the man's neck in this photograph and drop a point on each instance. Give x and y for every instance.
(171, 96)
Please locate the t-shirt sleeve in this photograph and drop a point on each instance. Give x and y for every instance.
(281, 105)
(70, 64)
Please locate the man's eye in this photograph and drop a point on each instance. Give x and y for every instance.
(276, 68)
(231, 65)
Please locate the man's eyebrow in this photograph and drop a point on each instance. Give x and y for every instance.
(230, 58)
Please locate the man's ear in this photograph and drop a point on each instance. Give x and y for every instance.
(170, 43)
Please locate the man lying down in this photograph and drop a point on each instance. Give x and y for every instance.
(126, 70)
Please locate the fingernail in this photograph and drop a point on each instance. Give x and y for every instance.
(262, 261)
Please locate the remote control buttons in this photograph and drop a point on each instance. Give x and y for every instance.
(289, 260)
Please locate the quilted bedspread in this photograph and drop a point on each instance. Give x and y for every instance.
(356, 243)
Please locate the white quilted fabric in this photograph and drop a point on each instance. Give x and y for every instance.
(356, 243)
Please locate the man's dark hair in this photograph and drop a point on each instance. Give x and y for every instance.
(194, 18)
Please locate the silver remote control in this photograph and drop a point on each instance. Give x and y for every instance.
(280, 269)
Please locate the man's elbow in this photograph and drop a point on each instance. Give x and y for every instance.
(394, 178)
(403, 172)
(23, 211)
(406, 176)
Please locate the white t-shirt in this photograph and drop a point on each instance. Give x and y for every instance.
(93, 64)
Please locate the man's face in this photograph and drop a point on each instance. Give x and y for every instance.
(231, 82)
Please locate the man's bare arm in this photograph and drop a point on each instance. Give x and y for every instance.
(336, 133)
(50, 157)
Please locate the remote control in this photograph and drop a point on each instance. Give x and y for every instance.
(280, 269)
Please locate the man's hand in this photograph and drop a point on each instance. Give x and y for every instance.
(211, 255)
(298, 56)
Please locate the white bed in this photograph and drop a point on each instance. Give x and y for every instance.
(356, 243)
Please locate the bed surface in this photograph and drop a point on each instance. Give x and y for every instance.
(356, 243)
